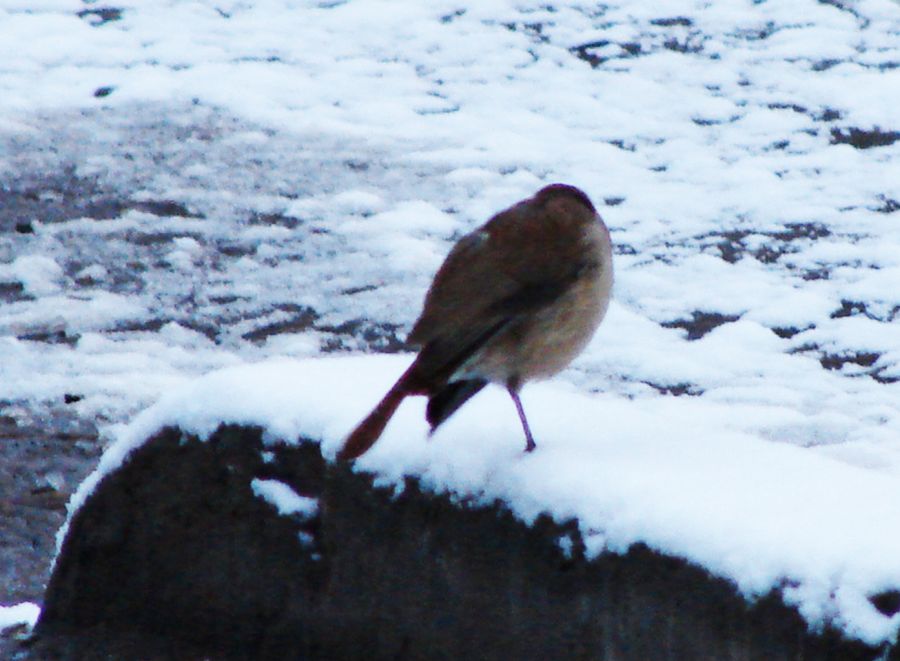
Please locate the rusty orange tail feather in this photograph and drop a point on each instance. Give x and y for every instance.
(369, 430)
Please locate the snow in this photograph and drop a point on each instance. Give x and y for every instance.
(240, 168)
(39, 275)
(284, 499)
(25, 613)
(702, 480)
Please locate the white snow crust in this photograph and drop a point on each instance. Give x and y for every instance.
(325, 155)
(24, 613)
(284, 499)
(694, 479)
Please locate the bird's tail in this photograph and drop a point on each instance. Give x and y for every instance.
(369, 430)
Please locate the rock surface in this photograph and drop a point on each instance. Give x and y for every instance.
(174, 556)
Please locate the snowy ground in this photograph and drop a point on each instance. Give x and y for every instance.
(186, 186)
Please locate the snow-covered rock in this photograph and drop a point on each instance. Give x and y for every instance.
(762, 525)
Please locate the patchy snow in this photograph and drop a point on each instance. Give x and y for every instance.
(39, 275)
(193, 187)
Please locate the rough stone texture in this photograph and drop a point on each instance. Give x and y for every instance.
(46, 450)
(174, 557)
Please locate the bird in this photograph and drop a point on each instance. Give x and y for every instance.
(514, 301)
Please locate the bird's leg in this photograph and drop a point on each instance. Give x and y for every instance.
(512, 387)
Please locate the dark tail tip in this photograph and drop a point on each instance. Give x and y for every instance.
(369, 430)
(445, 402)
(361, 439)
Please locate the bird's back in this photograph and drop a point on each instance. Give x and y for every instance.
(542, 267)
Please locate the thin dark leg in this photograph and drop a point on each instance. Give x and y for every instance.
(514, 393)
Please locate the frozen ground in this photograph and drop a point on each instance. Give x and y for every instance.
(190, 186)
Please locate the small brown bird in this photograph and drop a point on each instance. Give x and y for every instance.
(515, 300)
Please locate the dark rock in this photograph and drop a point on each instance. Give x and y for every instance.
(825, 65)
(449, 18)
(829, 115)
(732, 244)
(55, 197)
(887, 603)
(788, 106)
(302, 320)
(165, 208)
(98, 16)
(795, 231)
(274, 219)
(757, 34)
(864, 139)
(64, 195)
(677, 389)
(150, 325)
(832, 361)
(624, 146)
(535, 30)
(889, 205)
(624, 249)
(40, 446)
(693, 43)
(385, 337)
(174, 557)
(850, 309)
(669, 22)
(701, 323)
(60, 336)
(786, 332)
(13, 291)
(822, 273)
(583, 52)
(236, 249)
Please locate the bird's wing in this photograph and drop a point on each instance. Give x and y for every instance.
(488, 281)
